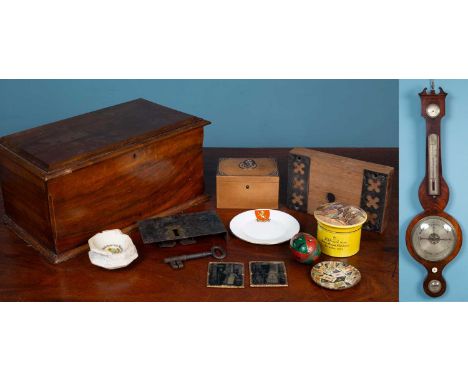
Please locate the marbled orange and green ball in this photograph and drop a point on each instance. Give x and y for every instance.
(305, 248)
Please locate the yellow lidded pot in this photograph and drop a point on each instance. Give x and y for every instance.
(339, 228)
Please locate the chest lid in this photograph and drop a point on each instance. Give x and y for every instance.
(93, 136)
(235, 168)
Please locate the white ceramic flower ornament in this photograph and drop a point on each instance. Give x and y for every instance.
(111, 249)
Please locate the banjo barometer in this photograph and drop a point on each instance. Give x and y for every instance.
(433, 237)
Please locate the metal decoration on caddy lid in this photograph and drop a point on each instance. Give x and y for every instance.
(339, 228)
(305, 248)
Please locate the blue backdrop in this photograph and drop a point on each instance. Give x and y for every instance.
(244, 113)
(454, 136)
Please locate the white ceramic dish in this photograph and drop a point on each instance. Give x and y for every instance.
(280, 228)
(111, 249)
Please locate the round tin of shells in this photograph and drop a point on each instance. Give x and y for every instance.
(339, 228)
(111, 249)
(335, 275)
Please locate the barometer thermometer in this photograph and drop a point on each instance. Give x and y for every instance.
(433, 237)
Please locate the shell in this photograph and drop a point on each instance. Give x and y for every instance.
(111, 249)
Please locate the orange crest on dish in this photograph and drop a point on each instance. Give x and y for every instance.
(262, 215)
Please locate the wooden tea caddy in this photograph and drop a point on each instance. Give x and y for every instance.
(247, 183)
(65, 181)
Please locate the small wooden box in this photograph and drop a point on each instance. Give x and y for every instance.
(315, 178)
(247, 183)
(65, 181)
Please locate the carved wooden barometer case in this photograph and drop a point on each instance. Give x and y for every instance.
(433, 237)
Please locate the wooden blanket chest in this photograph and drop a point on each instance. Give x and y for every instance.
(65, 181)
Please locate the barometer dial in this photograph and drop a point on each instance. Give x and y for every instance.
(433, 238)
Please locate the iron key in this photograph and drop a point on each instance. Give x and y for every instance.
(177, 262)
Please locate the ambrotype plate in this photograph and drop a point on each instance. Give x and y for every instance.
(225, 275)
(268, 274)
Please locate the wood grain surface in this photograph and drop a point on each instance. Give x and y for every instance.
(249, 188)
(66, 143)
(342, 177)
(433, 125)
(27, 276)
(123, 190)
(59, 215)
(434, 205)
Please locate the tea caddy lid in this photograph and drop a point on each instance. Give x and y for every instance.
(247, 167)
